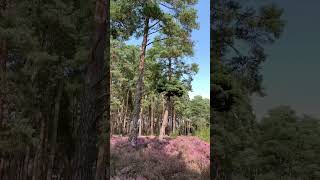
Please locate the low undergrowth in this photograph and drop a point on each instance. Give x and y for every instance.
(180, 158)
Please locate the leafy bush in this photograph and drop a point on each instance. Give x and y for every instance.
(203, 133)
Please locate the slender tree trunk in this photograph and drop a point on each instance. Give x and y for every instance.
(164, 121)
(170, 99)
(1, 165)
(39, 151)
(174, 120)
(93, 103)
(152, 116)
(141, 122)
(139, 88)
(161, 114)
(3, 86)
(26, 164)
(186, 127)
(119, 119)
(55, 129)
(125, 114)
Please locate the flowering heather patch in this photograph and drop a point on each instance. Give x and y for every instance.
(184, 157)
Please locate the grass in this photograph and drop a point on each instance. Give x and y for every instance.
(204, 134)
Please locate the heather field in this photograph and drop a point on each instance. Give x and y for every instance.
(180, 158)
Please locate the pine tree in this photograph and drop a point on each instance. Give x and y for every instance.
(177, 20)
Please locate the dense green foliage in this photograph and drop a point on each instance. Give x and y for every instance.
(45, 47)
(282, 145)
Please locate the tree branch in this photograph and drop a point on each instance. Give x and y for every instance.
(155, 31)
(154, 24)
(234, 49)
(157, 40)
(168, 7)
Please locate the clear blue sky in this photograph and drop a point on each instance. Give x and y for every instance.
(291, 72)
(201, 82)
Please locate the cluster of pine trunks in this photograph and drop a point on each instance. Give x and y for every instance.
(150, 120)
(31, 166)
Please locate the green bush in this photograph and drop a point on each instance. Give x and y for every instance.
(203, 133)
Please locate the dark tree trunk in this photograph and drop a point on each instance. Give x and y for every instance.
(55, 129)
(139, 89)
(94, 100)
(3, 86)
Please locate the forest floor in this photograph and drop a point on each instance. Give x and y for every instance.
(180, 158)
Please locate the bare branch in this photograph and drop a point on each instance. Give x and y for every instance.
(168, 7)
(155, 31)
(234, 49)
(154, 24)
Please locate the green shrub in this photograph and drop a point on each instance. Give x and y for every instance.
(203, 133)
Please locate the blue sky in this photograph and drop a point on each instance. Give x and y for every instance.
(291, 72)
(201, 82)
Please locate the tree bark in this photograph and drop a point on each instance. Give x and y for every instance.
(164, 121)
(94, 102)
(174, 120)
(125, 114)
(152, 116)
(55, 129)
(3, 89)
(139, 88)
(169, 97)
(141, 122)
(37, 167)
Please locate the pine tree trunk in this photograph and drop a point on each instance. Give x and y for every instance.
(94, 102)
(141, 122)
(174, 120)
(37, 167)
(152, 116)
(26, 164)
(125, 114)
(101, 171)
(161, 115)
(139, 89)
(170, 78)
(3, 86)
(186, 127)
(55, 129)
(164, 120)
(1, 166)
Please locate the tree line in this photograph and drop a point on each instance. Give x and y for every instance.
(283, 145)
(155, 100)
